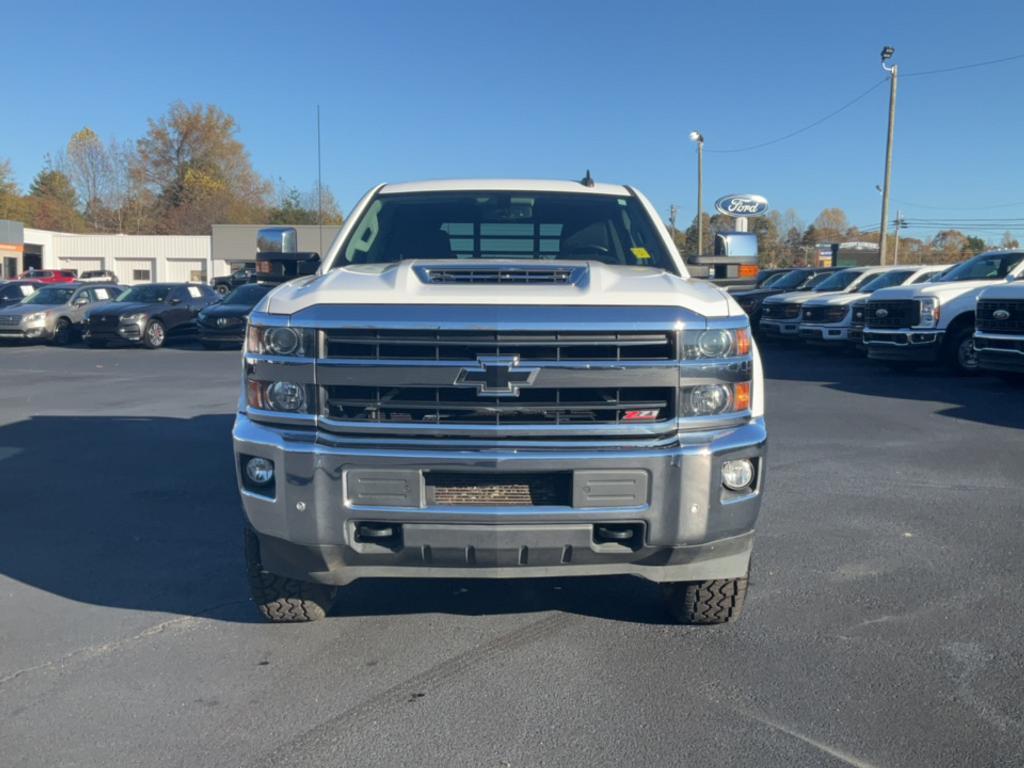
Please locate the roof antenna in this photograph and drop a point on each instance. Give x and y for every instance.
(588, 180)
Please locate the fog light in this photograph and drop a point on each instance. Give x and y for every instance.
(260, 471)
(286, 396)
(737, 474)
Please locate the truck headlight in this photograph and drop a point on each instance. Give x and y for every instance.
(716, 343)
(715, 399)
(930, 312)
(280, 340)
(282, 396)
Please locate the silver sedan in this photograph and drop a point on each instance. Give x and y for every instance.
(54, 312)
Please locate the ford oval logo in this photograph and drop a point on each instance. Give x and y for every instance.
(881, 313)
(742, 205)
(1001, 314)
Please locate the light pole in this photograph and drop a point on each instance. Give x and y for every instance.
(893, 71)
(699, 138)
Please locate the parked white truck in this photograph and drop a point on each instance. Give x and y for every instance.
(934, 322)
(999, 328)
(500, 379)
(828, 320)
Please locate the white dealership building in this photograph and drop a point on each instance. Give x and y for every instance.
(143, 258)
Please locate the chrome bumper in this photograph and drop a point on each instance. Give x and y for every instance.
(693, 528)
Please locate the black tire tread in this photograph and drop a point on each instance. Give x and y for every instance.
(706, 602)
(279, 598)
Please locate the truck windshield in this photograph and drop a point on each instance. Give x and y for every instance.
(49, 296)
(790, 280)
(838, 281)
(886, 280)
(984, 266)
(518, 226)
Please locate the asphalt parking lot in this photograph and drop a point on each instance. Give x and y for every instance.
(883, 627)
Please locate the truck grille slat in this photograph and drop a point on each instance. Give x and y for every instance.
(504, 490)
(367, 344)
(1013, 322)
(556, 276)
(780, 311)
(541, 406)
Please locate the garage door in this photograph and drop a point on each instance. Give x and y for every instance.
(80, 264)
(135, 270)
(186, 270)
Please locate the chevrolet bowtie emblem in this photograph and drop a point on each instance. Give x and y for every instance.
(497, 375)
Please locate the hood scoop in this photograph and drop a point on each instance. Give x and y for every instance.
(505, 274)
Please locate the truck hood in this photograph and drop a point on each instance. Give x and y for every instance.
(597, 285)
(800, 297)
(837, 299)
(942, 291)
(1004, 291)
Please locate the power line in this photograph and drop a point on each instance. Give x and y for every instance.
(961, 207)
(807, 127)
(975, 65)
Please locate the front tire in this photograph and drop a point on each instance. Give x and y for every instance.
(62, 332)
(961, 355)
(280, 599)
(706, 602)
(154, 336)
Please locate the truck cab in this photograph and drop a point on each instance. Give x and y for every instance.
(933, 322)
(500, 379)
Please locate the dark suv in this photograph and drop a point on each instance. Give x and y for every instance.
(799, 279)
(227, 283)
(148, 314)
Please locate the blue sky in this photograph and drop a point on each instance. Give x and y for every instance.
(534, 88)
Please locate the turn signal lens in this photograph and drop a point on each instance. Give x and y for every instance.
(741, 396)
(742, 342)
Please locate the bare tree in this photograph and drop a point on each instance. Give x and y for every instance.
(89, 168)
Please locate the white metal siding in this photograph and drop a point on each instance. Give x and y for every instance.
(125, 270)
(181, 270)
(81, 264)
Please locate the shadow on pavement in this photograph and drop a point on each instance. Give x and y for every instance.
(983, 398)
(143, 514)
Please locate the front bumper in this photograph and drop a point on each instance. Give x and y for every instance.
(692, 527)
(1000, 352)
(131, 332)
(827, 334)
(909, 344)
(39, 331)
(780, 328)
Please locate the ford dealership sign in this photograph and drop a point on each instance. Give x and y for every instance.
(742, 205)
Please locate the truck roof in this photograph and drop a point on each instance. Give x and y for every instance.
(504, 185)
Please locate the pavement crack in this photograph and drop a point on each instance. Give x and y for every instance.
(326, 737)
(102, 649)
(838, 754)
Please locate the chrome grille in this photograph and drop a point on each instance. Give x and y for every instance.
(533, 406)
(495, 275)
(380, 344)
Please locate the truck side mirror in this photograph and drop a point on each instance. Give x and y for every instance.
(277, 240)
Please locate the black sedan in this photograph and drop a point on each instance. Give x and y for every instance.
(800, 279)
(224, 322)
(148, 314)
(15, 290)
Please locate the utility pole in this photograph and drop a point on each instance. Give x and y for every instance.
(698, 137)
(899, 225)
(893, 71)
(672, 211)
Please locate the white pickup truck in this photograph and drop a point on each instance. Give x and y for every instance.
(828, 320)
(999, 328)
(934, 322)
(500, 379)
(782, 314)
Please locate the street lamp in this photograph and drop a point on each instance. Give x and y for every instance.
(698, 137)
(887, 53)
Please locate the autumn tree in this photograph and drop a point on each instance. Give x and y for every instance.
(10, 200)
(294, 207)
(830, 225)
(950, 245)
(89, 168)
(198, 171)
(1008, 241)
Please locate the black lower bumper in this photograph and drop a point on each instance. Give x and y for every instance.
(909, 345)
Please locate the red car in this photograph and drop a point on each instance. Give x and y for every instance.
(50, 275)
